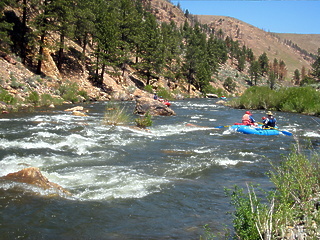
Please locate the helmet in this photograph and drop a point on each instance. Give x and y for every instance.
(248, 112)
(269, 113)
(264, 118)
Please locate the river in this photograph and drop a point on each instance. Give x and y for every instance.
(129, 184)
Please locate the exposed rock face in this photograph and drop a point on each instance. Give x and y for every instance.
(154, 107)
(33, 176)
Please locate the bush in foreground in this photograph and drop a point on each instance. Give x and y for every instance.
(288, 212)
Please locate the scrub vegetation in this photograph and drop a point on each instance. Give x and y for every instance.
(304, 100)
(116, 114)
(289, 211)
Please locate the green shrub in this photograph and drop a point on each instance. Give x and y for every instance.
(148, 88)
(210, 89)
(69, 92)
(33, 98)
(165, 94)
(6, 97)
(293, 99)
(292, 203)
(47, 100)
(144, 121)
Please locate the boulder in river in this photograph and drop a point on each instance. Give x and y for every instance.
(32, 175)
(154, 107)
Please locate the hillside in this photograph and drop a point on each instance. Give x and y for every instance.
(261, 41)
(309, 42)
(20, 80)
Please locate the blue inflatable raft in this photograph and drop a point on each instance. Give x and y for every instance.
(258, 130)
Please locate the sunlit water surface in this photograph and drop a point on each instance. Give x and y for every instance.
(166, 183)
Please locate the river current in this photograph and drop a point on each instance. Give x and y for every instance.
(166, 183)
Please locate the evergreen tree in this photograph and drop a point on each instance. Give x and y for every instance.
(217, 52)
(282, 70)
(106, 38)
(255, 72)
(316, 67)
(275, 67)
(63, 22)
(241, 62)
(271, 79)
(229, 84)
(264, 63)
(43, 24)
(172, 41)
(5, 27)
(151, 51)
(296, 77)
(303, 72)
(130, 27)
(84, 24)
(250, 55)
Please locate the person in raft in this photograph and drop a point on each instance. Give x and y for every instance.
(247, 119)
(270, 121)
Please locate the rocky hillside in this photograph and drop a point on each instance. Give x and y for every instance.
(261, 41)
(16, 78)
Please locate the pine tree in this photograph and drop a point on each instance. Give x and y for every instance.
(296, 77)
(282, 70)
(264, 63)
(63, 22)
(106, 38)
(84, 19)
(151, 51)
(5, 27)
(196, 65)
(316, 67)
(43, 24)
(130, 27)
(172, 41)
(255, 71)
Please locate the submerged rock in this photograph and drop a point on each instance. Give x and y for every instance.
(32, 175)
(154, 107)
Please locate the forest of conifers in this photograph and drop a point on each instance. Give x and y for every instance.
(125, 33)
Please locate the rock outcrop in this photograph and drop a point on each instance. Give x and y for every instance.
(153, 107)
(33, 176)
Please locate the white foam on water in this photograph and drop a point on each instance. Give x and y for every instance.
(107, 182)
(73, 142)
(227, 162)
(247, 154)
(6, 144)
(197, 117)
(312, 134)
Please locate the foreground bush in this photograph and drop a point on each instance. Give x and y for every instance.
(288, 212)
(294, 99)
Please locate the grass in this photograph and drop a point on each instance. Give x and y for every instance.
(116, 115)
(288, 210)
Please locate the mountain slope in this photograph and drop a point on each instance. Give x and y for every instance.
(309, 42)
(260, 41)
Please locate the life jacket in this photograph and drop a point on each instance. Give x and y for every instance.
(246, 119)
(271, 122)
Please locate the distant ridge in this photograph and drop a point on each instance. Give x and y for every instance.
(261, 41)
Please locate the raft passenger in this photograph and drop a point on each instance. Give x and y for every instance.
(270, 121)
(247, 119)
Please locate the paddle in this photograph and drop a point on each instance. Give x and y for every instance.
(223, 126)
(284, 132)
